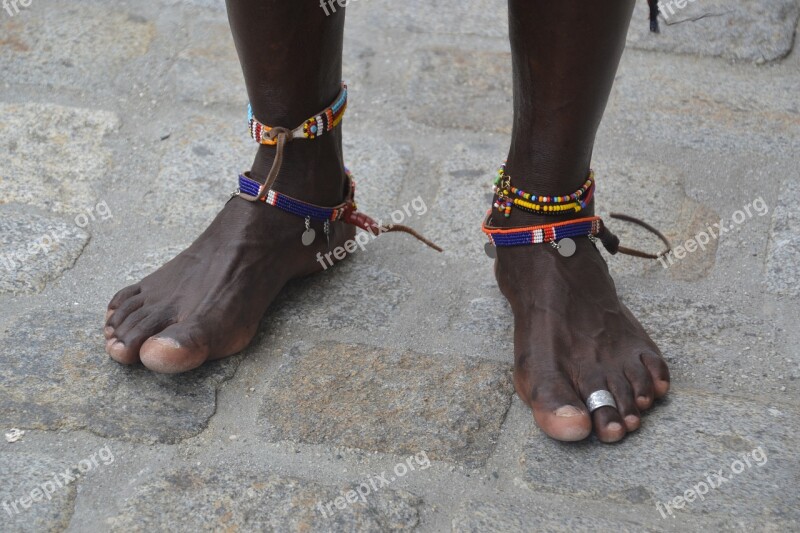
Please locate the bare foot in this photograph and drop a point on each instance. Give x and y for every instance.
(207, 302)
(572, 336)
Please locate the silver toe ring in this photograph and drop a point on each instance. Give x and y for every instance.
(600, 398)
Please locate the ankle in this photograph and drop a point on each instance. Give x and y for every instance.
(312, 170)
(545, 176)
(548, 168)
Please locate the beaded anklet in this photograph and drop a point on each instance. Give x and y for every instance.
(508, 196)
(312, 128)
(560, 236)
(321, 123)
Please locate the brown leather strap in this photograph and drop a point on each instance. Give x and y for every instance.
(611, 241)
(365, 222)
(284, 136)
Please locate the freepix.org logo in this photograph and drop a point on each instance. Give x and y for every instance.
(12, 6)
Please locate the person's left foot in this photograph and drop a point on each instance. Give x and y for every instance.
(572, 337)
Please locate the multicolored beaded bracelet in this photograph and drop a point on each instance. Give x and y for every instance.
(312, 128)
(321, 123)
(555, 209)
(560, 235)
(297, 207)
(346, 212)
(545, 233)
(508, 196)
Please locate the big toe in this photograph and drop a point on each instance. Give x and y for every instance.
(559, 412)
(566, 423)
(177, 349)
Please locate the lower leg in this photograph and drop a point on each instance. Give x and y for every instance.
(207, 302)
(291, 57)
(565, 56)
(572, 335)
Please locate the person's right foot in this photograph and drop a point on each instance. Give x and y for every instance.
(207, 302)
(573, 337)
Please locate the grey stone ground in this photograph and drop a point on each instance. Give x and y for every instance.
(416, 373)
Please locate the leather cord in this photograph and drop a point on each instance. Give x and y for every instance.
(611, 241)
(284, 136)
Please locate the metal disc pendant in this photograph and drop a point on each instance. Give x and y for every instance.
(567, 247)
(490, 250)
(308, 237)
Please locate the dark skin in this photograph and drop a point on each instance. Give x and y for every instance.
(572, 334)
(207, 302)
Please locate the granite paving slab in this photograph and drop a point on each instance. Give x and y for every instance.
(477, 516)
(783, 260)
(36, 493)
(356, 293)
(57, 377)
(56, 44)
(35, 249)
(53, 164)
(369, 398)
(737, 456)
(738, 30)
(218, 499)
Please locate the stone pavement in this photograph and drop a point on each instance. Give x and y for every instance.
(420, 413)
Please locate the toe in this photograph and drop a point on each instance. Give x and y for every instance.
(131, 334)
(120, 314)
(607, 422)
(178, 348)
(120, 353)
(659, 373)
(642, 384)
(121, 297)
(558, 410)
(621, 388)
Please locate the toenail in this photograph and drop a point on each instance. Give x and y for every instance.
(118, 345)
(172, 343)
(108, 330)
(614, 426)
(631, 420)
(567, 411)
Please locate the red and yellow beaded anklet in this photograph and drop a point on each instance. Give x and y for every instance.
(508, 196)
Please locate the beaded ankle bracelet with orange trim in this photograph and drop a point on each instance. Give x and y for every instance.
(508, 196)
(321, 123)
(560, 236)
